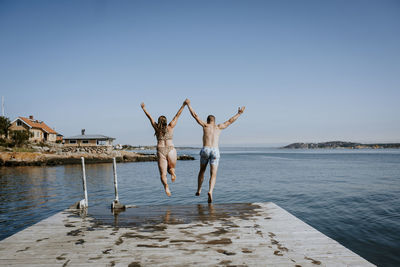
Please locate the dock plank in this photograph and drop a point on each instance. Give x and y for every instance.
(253, 234)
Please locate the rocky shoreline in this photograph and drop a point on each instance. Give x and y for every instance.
(130, 147)
(12, 159)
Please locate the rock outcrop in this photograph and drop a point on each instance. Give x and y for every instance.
(10, 159)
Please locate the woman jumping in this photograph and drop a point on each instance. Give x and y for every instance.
(166, 153)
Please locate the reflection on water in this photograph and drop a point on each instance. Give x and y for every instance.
(178, 214)
(351, 196)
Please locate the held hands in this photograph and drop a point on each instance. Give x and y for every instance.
(187, 101)
(241, 109)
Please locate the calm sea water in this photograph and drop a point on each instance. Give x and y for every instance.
(351, 196)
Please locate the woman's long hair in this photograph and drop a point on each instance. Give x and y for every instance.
(161, 127)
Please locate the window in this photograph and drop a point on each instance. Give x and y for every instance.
(101, 142)
(72, 141)
(85, 141)
(19, 123)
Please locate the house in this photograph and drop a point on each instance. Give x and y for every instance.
(88, 140)
(41, 132)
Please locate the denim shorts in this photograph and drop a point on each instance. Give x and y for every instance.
(209, 154)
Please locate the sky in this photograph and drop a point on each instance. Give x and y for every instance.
(307, 71)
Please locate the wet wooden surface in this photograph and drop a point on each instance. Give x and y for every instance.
(257, 234)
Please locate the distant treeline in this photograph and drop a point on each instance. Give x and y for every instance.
(340, 144)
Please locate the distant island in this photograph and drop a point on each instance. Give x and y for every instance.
(340, 144)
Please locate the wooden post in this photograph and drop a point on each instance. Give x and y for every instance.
(115, 179)
(84, 181)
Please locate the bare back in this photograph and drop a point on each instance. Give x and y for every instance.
(211, 133)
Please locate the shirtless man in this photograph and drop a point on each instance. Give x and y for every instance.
(210, 150)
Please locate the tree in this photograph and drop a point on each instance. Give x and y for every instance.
(20, 137)
(4, 126)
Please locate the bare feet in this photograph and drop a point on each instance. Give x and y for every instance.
(209, 197)
(167, 190)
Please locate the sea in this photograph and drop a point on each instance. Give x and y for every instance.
(352, 196)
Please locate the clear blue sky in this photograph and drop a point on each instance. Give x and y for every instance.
(305, 70)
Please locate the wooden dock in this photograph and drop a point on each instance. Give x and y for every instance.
(256, 234)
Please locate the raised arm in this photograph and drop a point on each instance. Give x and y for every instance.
(195, 116)
(175, 119)
(153, 123)
(231, 120)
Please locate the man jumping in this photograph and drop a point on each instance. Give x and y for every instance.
(210, 150)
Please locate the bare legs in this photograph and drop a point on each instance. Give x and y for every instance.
(162, 167)
(200, 178)
(167, 164)
(171, 158)
(213, 178)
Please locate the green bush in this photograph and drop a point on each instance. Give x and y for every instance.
(6, 142)
(3, 142)
(4, 126)
(20, 138)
